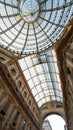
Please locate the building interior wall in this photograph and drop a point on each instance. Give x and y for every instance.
(17, 105)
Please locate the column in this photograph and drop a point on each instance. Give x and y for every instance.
(8, 117)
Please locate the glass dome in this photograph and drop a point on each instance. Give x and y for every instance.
(30, 26)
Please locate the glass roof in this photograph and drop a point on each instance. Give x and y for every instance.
(42, 74)
(30, 26)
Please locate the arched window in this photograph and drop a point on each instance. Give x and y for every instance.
(54, 122)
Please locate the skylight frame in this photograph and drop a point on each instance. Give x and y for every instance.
(45, 84)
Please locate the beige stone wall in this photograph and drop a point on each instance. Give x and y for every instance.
(15, 76)
(11, 116)
(69, 84)
(8, 111)
(16, 111)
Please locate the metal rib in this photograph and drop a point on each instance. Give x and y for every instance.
(10, 27)
(52, 23)
(45, 33)
(57, 8)
(35, 37)
(9, 5)
(25, 40)
(8, 16)
(15, 37)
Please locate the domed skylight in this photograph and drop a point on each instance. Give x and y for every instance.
(30, 26)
